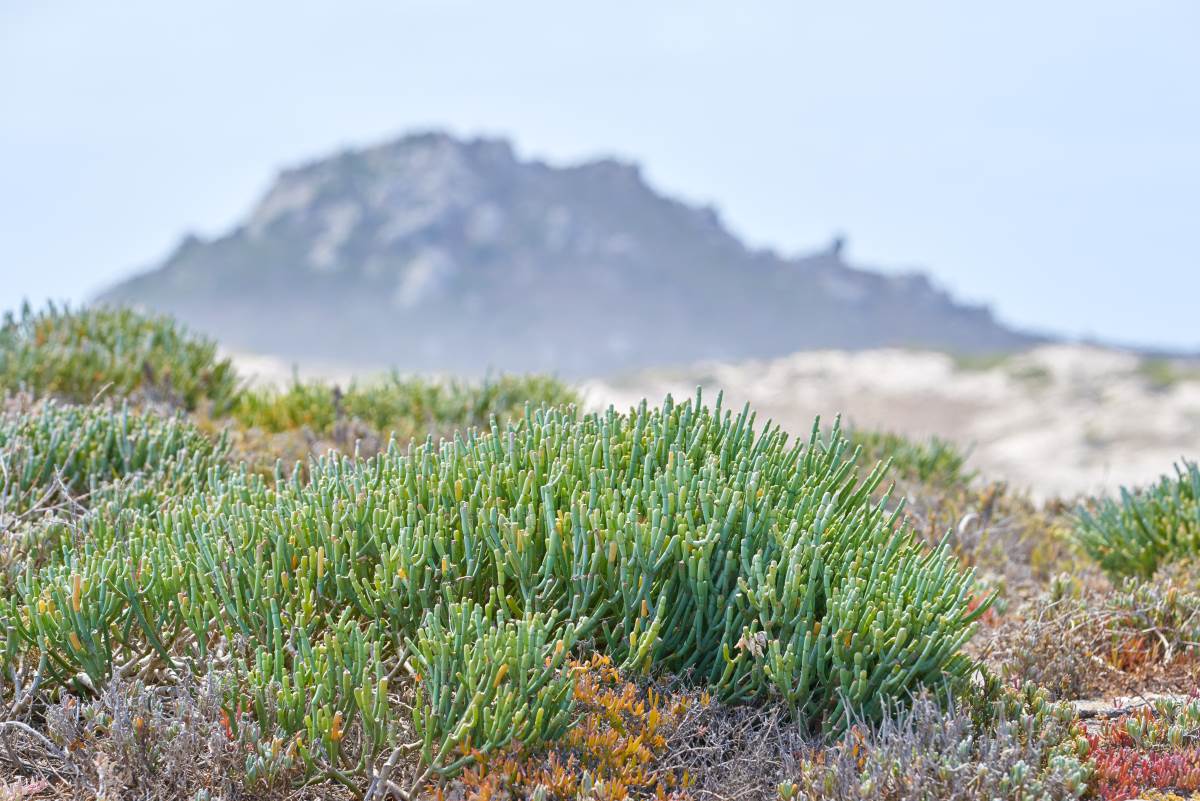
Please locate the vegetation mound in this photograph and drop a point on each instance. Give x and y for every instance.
(1135, 534)
(674, 540)
(83, 355)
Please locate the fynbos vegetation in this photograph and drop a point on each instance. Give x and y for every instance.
(1132, 536)
(98, 353)
(542, 602)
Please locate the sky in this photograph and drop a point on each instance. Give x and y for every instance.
(1043, 158)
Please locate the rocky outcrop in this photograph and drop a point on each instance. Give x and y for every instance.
(432, 253)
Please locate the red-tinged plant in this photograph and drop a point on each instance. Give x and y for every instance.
(1124, 772)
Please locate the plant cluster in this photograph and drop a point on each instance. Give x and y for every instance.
(1021, 747)
(1135, 534)
(59, 462)
(1078, 642)
(53, 454)
(168, 741)
(406, 407)
(1156, 747)
(100, 353)
(674, 540)
(666, 603)
(85, 354)
(932, 461)
(617, 747)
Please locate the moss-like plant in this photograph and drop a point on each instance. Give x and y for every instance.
(1142, 529)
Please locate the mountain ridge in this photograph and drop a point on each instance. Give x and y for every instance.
(437, 254)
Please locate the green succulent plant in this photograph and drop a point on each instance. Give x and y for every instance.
(59, 464)
(929, 461)
(79, 355)
(485, 684)
(53, 453)
(1142, 529)
(676, 539)
(406, 407)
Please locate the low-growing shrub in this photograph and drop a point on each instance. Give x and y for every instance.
(1056, 648)
(1149, 752)
(80, 355)
(932, 461)
(53, 454)
(485, 685)
(674, 540)
(169, 741)
(637, 741)
(405, 407)
(1027, 749)
(626, 740)
(993, 742)
(1079, 642)
(1134, 535)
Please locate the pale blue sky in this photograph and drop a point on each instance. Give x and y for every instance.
(1043, 157)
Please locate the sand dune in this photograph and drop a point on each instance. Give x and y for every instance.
(1057, 420)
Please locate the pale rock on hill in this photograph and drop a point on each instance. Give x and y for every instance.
(432, 253)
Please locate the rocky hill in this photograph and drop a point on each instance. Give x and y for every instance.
(432, 253)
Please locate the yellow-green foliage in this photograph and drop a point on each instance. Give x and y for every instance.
(79, 355)
(408, 408)
(484, 685)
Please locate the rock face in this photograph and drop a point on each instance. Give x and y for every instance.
(435, 254)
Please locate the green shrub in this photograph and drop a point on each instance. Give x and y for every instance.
(58, 462)
(674, 540)
(485, 685)
(312, 405)
(932, 461)
(54, 454)
(83, 354)
(1145, 528)
(408, 408)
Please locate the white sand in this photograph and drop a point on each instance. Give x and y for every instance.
(1058, 420)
